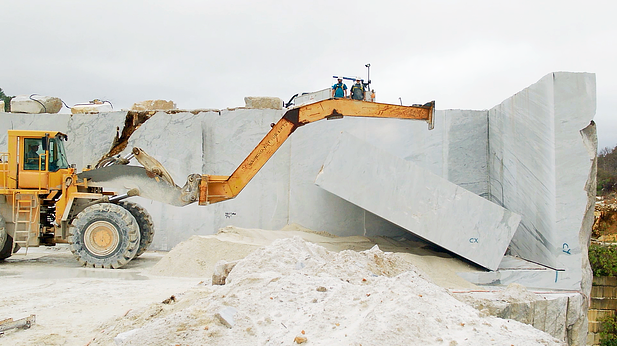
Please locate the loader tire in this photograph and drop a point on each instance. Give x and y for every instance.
(144, 221)
(104, 235)
(6, 242)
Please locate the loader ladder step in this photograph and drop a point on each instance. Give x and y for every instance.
(23, 218)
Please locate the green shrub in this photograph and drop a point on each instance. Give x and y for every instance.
(7, 101)
(603, 260)
(608, 331)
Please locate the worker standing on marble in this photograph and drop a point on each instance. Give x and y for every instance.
(357, 90)
(339, 90)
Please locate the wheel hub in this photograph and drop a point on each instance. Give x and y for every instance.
(101, 238)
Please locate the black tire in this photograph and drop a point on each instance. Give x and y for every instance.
(6, 241)
(104, 235)
(144, 221)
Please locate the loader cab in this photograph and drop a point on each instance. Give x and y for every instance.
(40, 161)
(44, 154)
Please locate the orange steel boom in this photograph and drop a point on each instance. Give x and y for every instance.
(213, 188)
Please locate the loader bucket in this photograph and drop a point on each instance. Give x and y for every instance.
(123, 178)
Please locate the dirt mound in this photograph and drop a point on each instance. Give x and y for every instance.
(197, 256)
(296, 290)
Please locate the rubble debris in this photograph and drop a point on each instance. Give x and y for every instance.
(23, 323)
(300, 339)
(170, 300)
(226, 316)
(222, 269)
(121, 338)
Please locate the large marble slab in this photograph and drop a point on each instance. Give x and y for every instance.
(418, 200)
(456, 149)
(542, 150)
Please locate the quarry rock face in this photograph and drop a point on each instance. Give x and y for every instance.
(556, 313)
(542, 153)
(35, 104)
(153, 105)
(263, 102)
(532, 155)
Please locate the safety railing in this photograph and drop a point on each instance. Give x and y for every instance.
(4, 170)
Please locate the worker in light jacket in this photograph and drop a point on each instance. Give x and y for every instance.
(339, 90)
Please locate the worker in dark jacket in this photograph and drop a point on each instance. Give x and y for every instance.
(357, 90)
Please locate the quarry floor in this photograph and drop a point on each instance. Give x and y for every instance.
(82, 306)
(72, 303)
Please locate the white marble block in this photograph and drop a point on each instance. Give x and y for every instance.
(152, 105)
(263, 102)
(35, 104)
(418, 200)
(89, 108)
(540, 159)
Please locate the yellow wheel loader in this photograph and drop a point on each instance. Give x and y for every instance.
(43, 201)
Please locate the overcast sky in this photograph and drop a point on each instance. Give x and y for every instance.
(210, 54)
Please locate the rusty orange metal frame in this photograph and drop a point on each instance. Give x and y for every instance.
(213, 188)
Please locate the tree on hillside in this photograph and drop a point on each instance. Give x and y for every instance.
(6, 99)
(607, 171)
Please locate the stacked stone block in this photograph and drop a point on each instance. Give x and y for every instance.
(603, 305)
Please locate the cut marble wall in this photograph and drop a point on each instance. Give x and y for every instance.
(533, 154)
(91, 136)
(228, 139)
(418, 200)
(558, 314)
(284, 188)
(541, 156)
(43, 122)
(498, 154)
(175, 140)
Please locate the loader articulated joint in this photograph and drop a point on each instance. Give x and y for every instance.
(293, 116)
(190, 190)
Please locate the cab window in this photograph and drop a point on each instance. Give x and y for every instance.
(33, 154)
(57, 156)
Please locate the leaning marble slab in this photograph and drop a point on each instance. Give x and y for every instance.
(418, 200)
